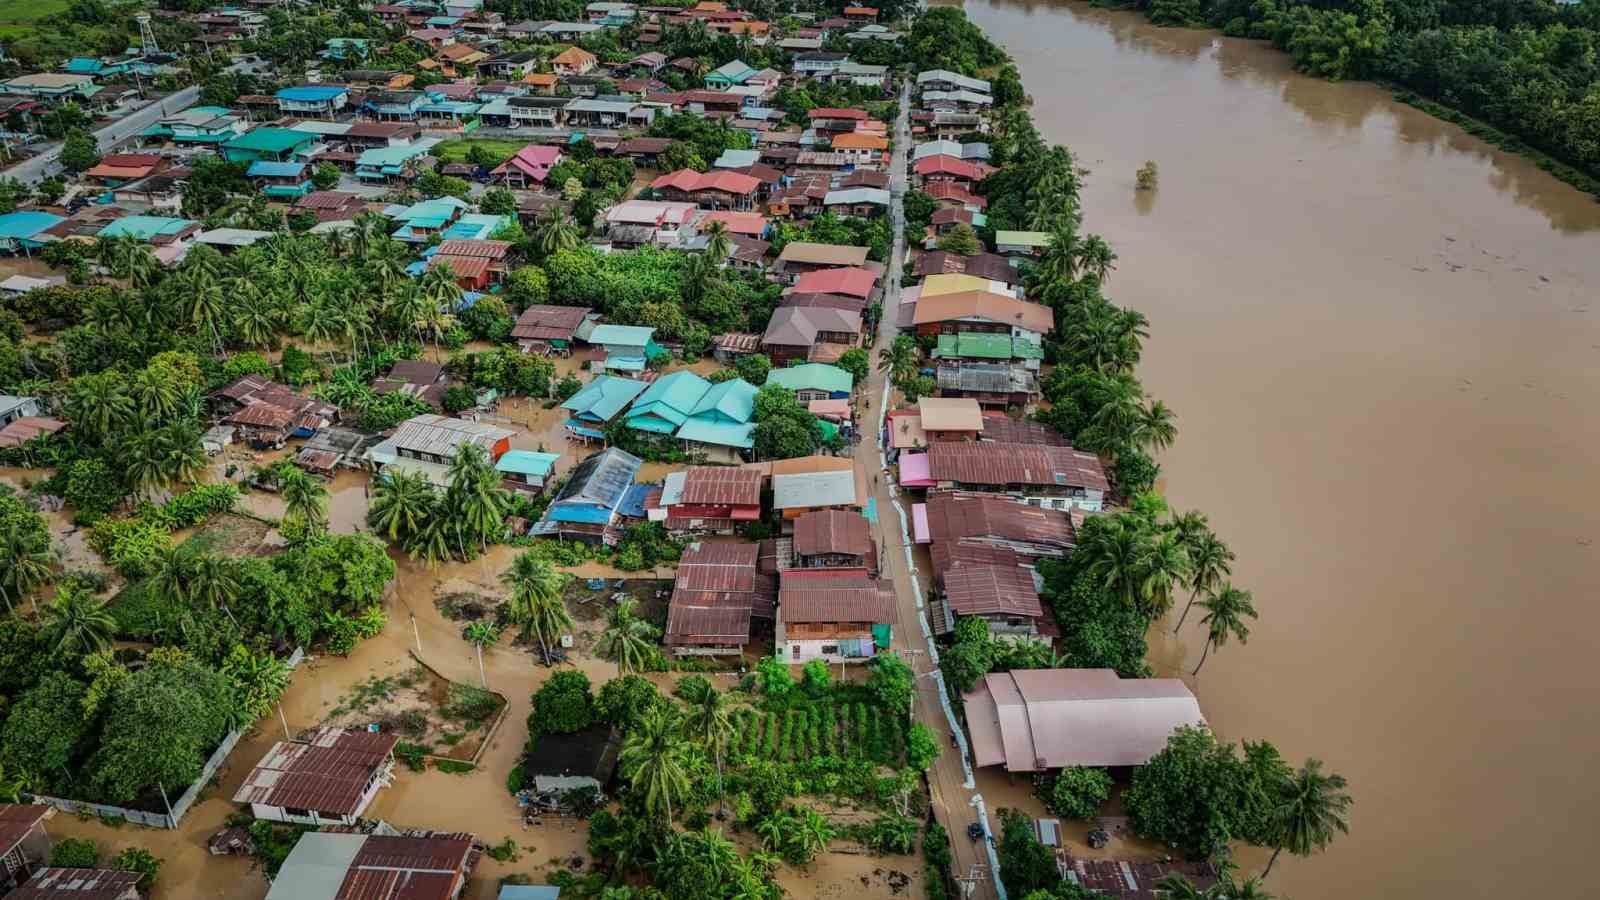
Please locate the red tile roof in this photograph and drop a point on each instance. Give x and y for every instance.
(690, 181)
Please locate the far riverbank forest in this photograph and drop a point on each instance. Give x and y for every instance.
(1524, 71)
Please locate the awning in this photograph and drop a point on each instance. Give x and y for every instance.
(914, 471)
(574, 426)
(919, 524)
(745, 514)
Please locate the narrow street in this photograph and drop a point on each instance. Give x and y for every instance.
(37, 168)
(956, 805)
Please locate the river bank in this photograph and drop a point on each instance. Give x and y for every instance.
(1377, 331)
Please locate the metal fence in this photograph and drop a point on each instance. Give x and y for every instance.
(185, 800)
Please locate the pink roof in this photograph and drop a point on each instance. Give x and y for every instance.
(919, 523)
(914, 470)
(690, 181)
(851, 282)
(830, 409)
(534, 160)
(1050, 718)
(947, 165)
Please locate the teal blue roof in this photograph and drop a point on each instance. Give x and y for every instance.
(733, 402)
(670, 398)
(311, 93)
(269, 140)
(82, 65)
(601, 399)
(26, 224)
(476, 226)
(621, 335)
(723, 434)
(392, 156)
(144, 227)
(812, 376)
(527, 462)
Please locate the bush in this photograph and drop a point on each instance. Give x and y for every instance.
(138, 859)
(1080, 791)
(921, 748)
(815, 677)
(515, 779)
(562, 705)
(936, 846)
(774, 678)
(74, 853)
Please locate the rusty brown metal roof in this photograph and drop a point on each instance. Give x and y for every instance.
(992, 590)
(79, 884)
(1007, 430)
(488, 249)
(953, 515)
(718, 590)
(992, 462)
(805, 597)
(544, 322)
(16, 820)
(722, 486)
(832, 531)
(262, 415)
(328, 774)
(407, 868)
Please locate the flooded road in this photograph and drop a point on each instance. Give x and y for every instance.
(1382, 338)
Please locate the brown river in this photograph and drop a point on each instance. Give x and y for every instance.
(1382, 338)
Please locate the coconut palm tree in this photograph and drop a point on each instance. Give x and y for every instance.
(77, 622)
(402, 503)
(1095, 257)
(1226, 612)
(24, 561)
(431, 543)
(1313, 805)
(154, 395)
(536, 605)
(185, 453)
(627, 640)
(555, 233)
(899, 359)
(708, 721)
(144, 462)
(99, 405)
(1059, 262)
(1210, 561)
(1163, 565)
(480, 635)
(475, 503)
(1155, 428)
(1178, 887)
(321, 323)
(305, 499)
(201, 302)
(12, 786)
(213, 581)
(718, 242)
(653, 758)
(1116, 558)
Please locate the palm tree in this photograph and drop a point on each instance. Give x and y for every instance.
(154, 394)
(1177, 887)
(144, 462)
(24, 561)
(718, 242)
(185, 453)
(536, 605)
(200, 298)
(1096, 257)
(1210, 561)
(402, 503)
(627, 640)
(1155, 429)
(899, 359)
(432, 542)
(305, 499)
(77, 622)
(1164, 564)
(171, 573)
(708, 721)
(475, 502)
(1059, 262)
(653, 757)
(480, 635)
(1313, 805)
(555, 234)
(1226, 612)
(98, 404)
(212, 581)
(1116, 559)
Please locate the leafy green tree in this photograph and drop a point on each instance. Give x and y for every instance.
(652, 760)
(891, 681)
(960, 239)
(162, 721)
(1311, 807)
(1192, 795)
(753, 368)
(921, 748)
(74, 853)
(625, 701)
(856, 362)
(80, 151)
(138, 859)
(498, 201)
(708, 721)
(45, 728)
(773, 677)
(1226, 612)
(1080, 791)
(1025, 864)
(562, 705)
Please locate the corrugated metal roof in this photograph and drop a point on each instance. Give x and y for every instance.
(950, 414)
(78, 884)
(16, 820)
(440, 435)
(822, 254)
(814, 489)
(603, 398)
(953, 516)
(992, 590)
(543, 322)
(721, 486)
(995, 463)
(835, 598)
(832, 531)
(1036, 719)
(984, 305)
(718, 590)
(852, 281)
(1007, 430)
(812, 376)
(602, 478)
(328, 774)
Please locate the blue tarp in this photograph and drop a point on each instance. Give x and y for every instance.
(582, 514)
(632, 504)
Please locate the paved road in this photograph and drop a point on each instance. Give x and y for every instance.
(954, 800)
(38, 168)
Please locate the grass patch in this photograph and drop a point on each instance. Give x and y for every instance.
(456, 151)
(452, 767)
(16, 11)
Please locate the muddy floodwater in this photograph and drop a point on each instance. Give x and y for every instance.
(1382, 338)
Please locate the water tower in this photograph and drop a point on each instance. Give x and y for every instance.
(147, 35)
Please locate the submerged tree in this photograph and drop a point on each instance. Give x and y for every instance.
(1313, 806)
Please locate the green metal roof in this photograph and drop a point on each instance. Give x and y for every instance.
(601, 399)
(621, 335)
(723, 434)
(672, 397)
(986, 345)
(527, 462)
(731, 401)
(269, 140)
(1022, 238)
(812, 376)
